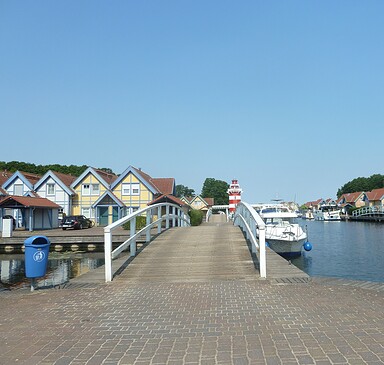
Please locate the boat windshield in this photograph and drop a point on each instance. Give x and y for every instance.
(280, 221)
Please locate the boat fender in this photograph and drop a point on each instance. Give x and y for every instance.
(266, 244)
(307, 246)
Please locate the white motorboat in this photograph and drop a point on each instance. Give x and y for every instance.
(282, 232)
(327, 212)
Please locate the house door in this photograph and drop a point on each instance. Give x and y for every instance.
(115, 214)
(103, 216)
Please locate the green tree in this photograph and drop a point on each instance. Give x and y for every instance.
(362, 184)
(182, 190)
(216, 189)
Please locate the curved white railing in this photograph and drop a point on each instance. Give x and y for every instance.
(155, 215)
(254, 227)
(368, 211)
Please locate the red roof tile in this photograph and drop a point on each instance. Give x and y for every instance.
(4, 176)
(65, 178)
(375, 194)
(167, 198)
(108, 177)
(28, 202)
(32, 178)
(164, 185)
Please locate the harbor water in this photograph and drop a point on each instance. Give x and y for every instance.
(344, 249)
(61, 268)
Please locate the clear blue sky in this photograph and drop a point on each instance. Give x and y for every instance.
(285, 96)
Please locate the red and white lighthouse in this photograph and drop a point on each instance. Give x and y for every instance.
(234, 193)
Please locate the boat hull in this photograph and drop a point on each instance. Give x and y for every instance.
(286, 248)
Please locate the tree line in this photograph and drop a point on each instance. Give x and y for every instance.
(74, 170)
(375, 181)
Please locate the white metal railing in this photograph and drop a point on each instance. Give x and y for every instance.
(162, 213)
(368, 210)
(254, 227)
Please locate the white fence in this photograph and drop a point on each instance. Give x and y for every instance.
(155, 215)
(368, 211)
(254, 227)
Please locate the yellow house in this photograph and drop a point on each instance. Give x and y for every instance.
(105, 197)
(199, 203)
(136, 189)
(89, 187)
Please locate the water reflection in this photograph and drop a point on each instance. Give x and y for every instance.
(61, 268)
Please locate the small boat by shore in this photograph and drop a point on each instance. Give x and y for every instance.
(282, 232)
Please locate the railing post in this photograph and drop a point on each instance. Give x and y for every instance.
(108, 254)
(263, 257)
(167, 216)
(174, 216)
(132, 232)
(148, 221)
(158, 217)
(179, 217)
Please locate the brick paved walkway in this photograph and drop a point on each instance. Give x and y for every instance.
(201, 320)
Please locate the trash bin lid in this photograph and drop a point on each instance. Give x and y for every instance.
(37, 240)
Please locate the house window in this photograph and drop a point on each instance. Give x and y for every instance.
(131, 189)
(50, 189)
(86, 189)
(18, 189)
(90, 189)
(95, 189)
(86, 212)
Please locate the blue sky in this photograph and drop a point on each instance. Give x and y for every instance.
(285, 96)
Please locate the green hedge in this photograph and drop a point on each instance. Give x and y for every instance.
(196, 217)
(140, 223)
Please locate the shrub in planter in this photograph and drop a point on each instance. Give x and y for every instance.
(196, 217)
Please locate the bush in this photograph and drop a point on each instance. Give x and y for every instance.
(196, 217)
(140, 223)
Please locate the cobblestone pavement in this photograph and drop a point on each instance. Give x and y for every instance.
(206, 319)
(222, 322)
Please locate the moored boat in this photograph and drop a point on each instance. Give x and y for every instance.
(328, 212)
(282, 232)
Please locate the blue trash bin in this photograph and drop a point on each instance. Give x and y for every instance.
(36, 256)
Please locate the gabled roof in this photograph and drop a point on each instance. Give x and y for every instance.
(63, 180)
(187, 198)
(350, 197)
(99, 174)
(207, 201)
(140, 175)
(376, 194)
(315, 202)
(112, 196)
(14, 201)
(28, 179)
(168, 198)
